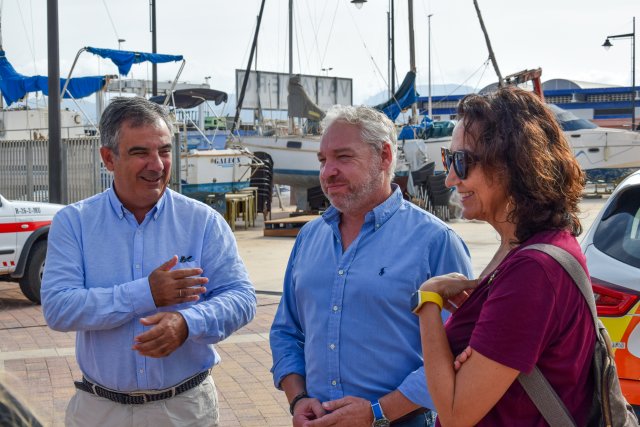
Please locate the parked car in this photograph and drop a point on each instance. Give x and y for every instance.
(612, 248)
(24, 228)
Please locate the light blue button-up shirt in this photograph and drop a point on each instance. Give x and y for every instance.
(96, 282)
(344, 321)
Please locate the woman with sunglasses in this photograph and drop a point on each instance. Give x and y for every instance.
(514, 169)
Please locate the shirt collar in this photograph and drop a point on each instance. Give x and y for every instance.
(380, 214)
(119, 209)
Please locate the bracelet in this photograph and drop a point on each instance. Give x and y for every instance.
(434, 297)
(296, 399)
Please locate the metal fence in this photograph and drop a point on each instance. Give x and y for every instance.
(24, 169)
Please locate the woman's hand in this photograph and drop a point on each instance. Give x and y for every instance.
(454, 288)
(461, 358)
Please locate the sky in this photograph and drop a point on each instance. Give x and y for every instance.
(563, 37)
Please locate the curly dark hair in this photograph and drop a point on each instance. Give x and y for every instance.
(520, 143)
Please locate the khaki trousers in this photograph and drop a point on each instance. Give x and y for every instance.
(197, 407)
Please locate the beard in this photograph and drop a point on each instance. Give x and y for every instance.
(360, 194)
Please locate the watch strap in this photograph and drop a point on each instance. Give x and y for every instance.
(296, 399)
(428, 296)
(377, 410)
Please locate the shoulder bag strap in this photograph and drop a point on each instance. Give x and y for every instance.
(535, 384)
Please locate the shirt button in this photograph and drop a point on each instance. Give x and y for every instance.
(139, 232)
(334, 382)
(377, 225)
(137, 266)
(335, 308)
(142, 371)
(332, 346)
(341, 272)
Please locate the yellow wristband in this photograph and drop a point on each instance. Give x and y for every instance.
(427, 296)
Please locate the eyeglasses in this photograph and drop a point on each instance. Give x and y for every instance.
(461, 161)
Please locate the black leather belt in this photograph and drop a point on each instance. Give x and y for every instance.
(138, 398)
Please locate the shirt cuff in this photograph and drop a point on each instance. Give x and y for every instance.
(414, 388)
(139, 293)
(284, 368)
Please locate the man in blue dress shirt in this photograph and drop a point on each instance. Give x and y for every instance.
(149, 279)
(346, 347)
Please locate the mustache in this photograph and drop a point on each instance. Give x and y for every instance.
(332, 180)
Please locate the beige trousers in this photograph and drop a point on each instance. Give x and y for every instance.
(197, 407)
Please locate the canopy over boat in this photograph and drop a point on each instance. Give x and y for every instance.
(124, 59)
(15, 86)
(402, 99)
(190, 98)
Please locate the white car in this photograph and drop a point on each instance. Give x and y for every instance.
(612, 248)
(24, 228)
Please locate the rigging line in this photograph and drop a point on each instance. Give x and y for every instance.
(307, 52)
(315, 29)
(485, 64)
(24, 26)
(301, 41)
(33, 39)
(111, 20)
(333, 21)
(386, 83)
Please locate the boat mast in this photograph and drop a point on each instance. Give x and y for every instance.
(290, 55)
(412, 61)
(154, 49)
(392, 54)
(486, 38)
(429, 109)
(247, 71)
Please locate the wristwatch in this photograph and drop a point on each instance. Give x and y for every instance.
(379, 420)
(420, 297)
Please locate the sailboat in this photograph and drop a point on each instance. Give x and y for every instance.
(294, 151)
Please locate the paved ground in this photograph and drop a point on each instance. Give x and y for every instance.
(40, 364)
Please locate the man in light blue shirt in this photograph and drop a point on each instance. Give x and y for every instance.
(346, 347)
(149, 279)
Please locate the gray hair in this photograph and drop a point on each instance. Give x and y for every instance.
(376, 129)
(135, 111)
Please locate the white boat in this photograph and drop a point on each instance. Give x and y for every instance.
(295, 158)
(205, 172)
(603, 153)
(33, 123)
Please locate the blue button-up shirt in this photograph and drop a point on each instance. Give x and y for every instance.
(344, 321)
(96, 282)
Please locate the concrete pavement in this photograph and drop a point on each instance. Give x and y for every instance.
(40, 365)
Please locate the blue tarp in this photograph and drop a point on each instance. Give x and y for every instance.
(15, 86)
(124, 59)
(416, 131)
(403, 98)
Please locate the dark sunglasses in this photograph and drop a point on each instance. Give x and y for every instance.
(461, 160)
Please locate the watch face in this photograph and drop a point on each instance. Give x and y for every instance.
(415, 300)
(381, 423)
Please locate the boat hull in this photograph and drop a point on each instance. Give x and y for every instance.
(295, 158)
(205, 172)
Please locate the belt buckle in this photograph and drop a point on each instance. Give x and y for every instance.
(139, 394)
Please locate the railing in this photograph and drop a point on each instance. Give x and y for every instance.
(24, 169)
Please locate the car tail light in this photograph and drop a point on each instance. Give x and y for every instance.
(612, 300)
